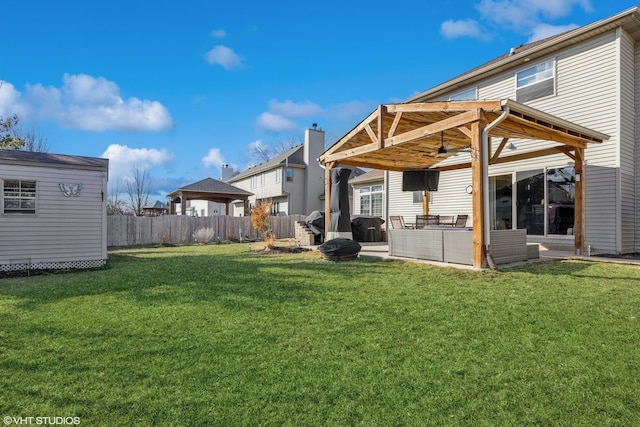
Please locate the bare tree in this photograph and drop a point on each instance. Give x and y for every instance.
(7, 133)
(139, 186)
(13, 136)
(115, 204)
(33, 139)
(261, 153)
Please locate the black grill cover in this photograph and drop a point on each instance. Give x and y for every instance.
(315, 221)
(340, 217)
(340, 248)
(367, 228)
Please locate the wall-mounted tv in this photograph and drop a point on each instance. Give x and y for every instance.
(420, 180)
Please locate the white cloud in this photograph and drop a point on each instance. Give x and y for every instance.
(122, 158)
(213, 158)
(87, 103)
(271, 122)
(523, 15)
(289, 108)
(543, 31)
(11, 101)
(218, 34)
(462, 28)
(352, 109)
(225, 57)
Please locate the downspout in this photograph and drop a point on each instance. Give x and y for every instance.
(485, 181)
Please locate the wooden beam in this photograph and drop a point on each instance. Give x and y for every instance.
(352, 152)
(327, 198)
(477, 196)
(382, 110)
(372, 135)
(499, 149)
(526, 156)
(579, 203)
(465, 130)
(433, 128)
(528, 130)
(394, 125)
(350, 135)
(419, 107)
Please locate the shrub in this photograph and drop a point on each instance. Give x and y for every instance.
(204, 235)
(260, 220)
(163, 238)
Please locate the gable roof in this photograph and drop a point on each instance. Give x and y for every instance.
(210, 186)
(629, 20)
(291, 157)
(157, 205)
(371, 176)
(28, 158)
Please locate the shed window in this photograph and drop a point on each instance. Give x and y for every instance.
(19, 196)
(536, 82)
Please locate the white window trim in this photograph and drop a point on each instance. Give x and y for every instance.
(537, 81)
(457, 96)
(2, 196)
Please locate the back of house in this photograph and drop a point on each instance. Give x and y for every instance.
(587, 76)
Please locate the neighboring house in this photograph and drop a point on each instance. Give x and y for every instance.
(53, 211)
(293, 181)
(206, 198)
(155, 209)
(368, 194)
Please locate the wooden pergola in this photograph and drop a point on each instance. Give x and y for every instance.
(398, 137)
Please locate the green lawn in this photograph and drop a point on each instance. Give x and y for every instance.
(218, 335)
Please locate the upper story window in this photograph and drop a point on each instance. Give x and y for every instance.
(536, 82)
(466, 95)
(254, 181)
(278, 173)
(289, 173)
(19, 196)
(261, 180)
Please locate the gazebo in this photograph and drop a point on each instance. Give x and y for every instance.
(399, 137)
(208, 189)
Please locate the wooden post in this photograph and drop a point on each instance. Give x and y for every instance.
(425, 203)
(477, 178)
(579, 216)
(327, 198)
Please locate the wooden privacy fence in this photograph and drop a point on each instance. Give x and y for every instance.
(127, 230)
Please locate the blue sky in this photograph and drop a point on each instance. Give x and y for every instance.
(181, 88)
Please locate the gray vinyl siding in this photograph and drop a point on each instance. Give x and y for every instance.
(636, 91)
(64, 229)
(587, 93)
(450, 199)
(627, 144)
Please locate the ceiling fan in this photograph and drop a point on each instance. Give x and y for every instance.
(444, 150)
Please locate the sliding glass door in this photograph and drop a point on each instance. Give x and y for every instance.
(544, 201)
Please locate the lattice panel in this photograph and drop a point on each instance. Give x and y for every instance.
(25, 265)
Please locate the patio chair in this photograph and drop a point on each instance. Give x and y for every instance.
(397, 222)
(424, 220)
(446, 220)
(461, 221)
